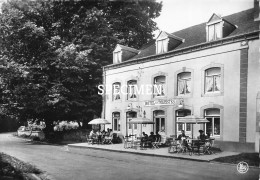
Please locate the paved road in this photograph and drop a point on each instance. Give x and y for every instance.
(95, 164)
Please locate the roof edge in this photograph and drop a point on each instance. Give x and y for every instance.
(201, 46)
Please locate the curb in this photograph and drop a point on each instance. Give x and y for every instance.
(137, 153)
(230, 164)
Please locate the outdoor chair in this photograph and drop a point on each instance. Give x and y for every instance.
(127, 142)
(197, 147)
(208, 146)
(172, 145)
(108, 139)
(89, 140)
(136, 143)
(156, 143)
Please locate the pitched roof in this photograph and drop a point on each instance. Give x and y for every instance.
(197, 34)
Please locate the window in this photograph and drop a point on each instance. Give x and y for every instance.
(116, 121)
(117, 57)
(159, 86)
(162, 46)
(131, 128)
(213, 126)
(159, 118)
(131, 89)
(184, 83)
(116, 91)
(183, 126)
(214, 32)
(212, 80)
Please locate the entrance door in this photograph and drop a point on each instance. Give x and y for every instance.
(131, 128)
(183, 126)
(159, 119)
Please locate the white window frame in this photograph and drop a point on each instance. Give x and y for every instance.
(160, 121)
(116, 96)
(131, 90)
(217, 31)
(212, 122)
(161, 86)
(117, 57)
(213, 77)
(116, 118)
(185, 80)
(163, 47)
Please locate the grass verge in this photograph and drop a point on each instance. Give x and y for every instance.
(13, 168)
(252, 159)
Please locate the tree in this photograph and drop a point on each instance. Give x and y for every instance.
(52, 53)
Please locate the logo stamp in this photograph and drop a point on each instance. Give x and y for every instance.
(242, 167)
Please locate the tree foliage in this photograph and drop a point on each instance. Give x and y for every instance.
(52, 53)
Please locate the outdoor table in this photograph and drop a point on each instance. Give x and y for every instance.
(195, 143)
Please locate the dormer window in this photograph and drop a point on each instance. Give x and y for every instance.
(123, 53)
(166, 42)
(214, 32)
(117, 57)
(162, 46)
(218, 28)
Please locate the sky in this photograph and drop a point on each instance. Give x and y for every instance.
(180, 14)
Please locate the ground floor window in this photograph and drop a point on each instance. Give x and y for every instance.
(131, 128)
(183, 126)
(159, 119)
(116, 121)
(213, 126)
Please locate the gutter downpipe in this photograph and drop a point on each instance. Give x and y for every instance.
(104, 95)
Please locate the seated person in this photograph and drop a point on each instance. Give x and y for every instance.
(202, 136)
(92, 133)
(152, 137)
(103, 133)
(158, 136)
(108, 132)
(182, 137)
(202, 139)
(99, 136)
(144, 139)
(208, 135)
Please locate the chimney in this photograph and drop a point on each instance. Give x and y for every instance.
(256, 10)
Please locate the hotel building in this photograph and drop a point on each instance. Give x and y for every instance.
(210, 70)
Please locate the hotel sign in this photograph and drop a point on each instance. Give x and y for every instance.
(161, 102)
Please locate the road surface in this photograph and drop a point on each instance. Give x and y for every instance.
(61, 164)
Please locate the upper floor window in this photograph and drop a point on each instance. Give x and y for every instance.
(212, 80)
(159, 86)
(116, 121)
(214, 31)
(117, 57)
(116, 91)
(184, 83)
(131, 89)
(162, 46)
